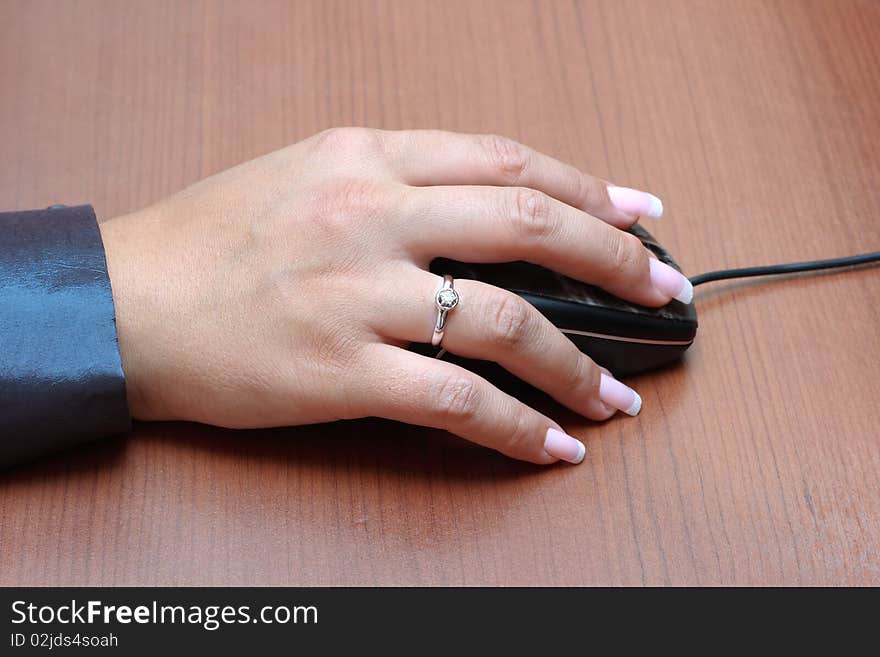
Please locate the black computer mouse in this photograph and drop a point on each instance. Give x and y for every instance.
(622, 336)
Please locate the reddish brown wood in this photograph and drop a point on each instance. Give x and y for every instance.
(756, 462)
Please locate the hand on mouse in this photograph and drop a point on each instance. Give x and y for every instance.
(285, 290)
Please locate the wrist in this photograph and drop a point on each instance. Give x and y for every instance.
(120, 250)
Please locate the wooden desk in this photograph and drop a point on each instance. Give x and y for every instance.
(755, 462)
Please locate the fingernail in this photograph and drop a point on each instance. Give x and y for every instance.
(671, 282)
(562, 446)
(614, 393)
(635, 202)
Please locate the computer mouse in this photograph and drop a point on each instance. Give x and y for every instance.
(624, 337)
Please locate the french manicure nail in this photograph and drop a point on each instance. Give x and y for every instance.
(632, 201)
(670, 281)
(618, 395)
(562, 446)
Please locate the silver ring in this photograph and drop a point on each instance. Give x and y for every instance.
(446, 300)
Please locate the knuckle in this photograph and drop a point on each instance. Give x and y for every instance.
(356, 197)
(512, 322)
(518, 440)
(625, 253)
(349, 140)
(335, 348)
(456, 398)
(575, 375)
(591, 192)
(509, 158)
(583, 377)
(531, 214)
(337, 204)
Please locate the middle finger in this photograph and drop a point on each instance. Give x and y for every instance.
(503, 224)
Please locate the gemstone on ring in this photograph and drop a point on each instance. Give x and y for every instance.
(446, 299)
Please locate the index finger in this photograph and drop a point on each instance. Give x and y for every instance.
(436, 157)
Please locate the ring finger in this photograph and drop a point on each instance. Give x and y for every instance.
(496, 325)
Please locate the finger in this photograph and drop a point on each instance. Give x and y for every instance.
(496, 325)
(496, 224)
(434, 393)
(435, 157)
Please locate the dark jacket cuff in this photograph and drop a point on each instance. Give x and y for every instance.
(61, 379)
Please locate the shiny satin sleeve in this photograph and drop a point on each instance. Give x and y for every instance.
(61, 378)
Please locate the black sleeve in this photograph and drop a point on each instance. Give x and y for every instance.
(61, 379)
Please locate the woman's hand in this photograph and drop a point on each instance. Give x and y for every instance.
(285, 291)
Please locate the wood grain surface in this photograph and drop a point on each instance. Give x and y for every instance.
(756, 461)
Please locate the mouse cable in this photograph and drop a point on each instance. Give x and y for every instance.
(790, 268)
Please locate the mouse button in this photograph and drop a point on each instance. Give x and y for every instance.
(553, 285)
(520, 277)
(533, 281)
(530, 280)
(590, 295)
